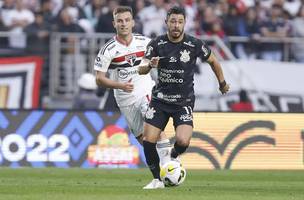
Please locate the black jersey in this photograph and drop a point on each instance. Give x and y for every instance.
(176, 67)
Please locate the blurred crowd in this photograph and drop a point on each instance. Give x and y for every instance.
(251, 18)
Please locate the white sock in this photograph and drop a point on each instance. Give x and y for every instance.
(163, 149)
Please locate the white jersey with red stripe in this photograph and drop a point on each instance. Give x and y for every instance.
(122, 63)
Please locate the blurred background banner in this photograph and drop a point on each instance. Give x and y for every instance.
(271, 86)
(66, 138)
(245, 141)
(61, 138)
(20, 82)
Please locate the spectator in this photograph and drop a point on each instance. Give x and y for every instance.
(152, 18)
(74, 10)
(16, 20)
(274, 27)
(209, 18)
(47, 9)
(230, 25)
(93, 10)
(73, 61)
(104, 24)
(38, 36)
(248, 27)
(298, 31)
(244, 105)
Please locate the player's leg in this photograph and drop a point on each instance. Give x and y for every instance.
(156, 120)
(134, 120)
(151, 135)
(183, 136)
(183, 123)
(163, 145)
(163, 148)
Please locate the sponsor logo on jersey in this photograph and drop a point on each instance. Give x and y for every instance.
(122, 73)
(185, 56)
(169, 98)
(161, 42)
(172, 60)
(189, 44)
(150, 113)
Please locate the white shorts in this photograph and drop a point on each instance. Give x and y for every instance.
(134, 115)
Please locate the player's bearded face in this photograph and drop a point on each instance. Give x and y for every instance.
(176, 24)
(123, 23)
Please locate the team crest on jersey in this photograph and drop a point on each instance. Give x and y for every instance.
(185, 56)
(150, 113)
(131, 59)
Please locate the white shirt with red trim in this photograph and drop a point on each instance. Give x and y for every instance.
(122, 63)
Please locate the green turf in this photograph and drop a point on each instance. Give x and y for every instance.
(91, 184)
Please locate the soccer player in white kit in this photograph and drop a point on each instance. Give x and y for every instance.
(121, 56)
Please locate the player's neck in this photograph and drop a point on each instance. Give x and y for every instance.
(175, 40)
(125, 40)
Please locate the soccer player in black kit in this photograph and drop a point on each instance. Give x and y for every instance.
(174, 55)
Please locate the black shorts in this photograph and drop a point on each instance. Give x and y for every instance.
(158, 114)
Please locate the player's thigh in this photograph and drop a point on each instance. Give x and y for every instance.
(157, 115)
(182, 115)
(183, 123)
(151, 133)
(134, 119)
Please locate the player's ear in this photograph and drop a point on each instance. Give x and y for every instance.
(113, 23)
(133, 23)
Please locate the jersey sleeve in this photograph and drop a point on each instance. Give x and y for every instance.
(151, 50)
(203, 51)
(102, 61)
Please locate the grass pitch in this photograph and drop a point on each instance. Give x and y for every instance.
(101, 184)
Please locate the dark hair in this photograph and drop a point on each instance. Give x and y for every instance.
(122, 9)
(176, 10)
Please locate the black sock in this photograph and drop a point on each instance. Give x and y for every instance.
(177, 150)
(152, 158)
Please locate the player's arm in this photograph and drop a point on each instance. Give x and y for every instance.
(104, 81)
(217, 69)
(146, 65)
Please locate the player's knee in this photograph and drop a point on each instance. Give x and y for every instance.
(183, 142)
(140, 138)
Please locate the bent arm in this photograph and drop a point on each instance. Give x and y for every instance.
(216, 68)
(144, 67)
(103, 81)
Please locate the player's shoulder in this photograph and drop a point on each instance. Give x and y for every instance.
(160, 40)
(192, 41)
(108, 46)
(140, 37)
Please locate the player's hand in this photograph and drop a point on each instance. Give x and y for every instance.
(128, 86)
(224, 87)
(154, 62)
